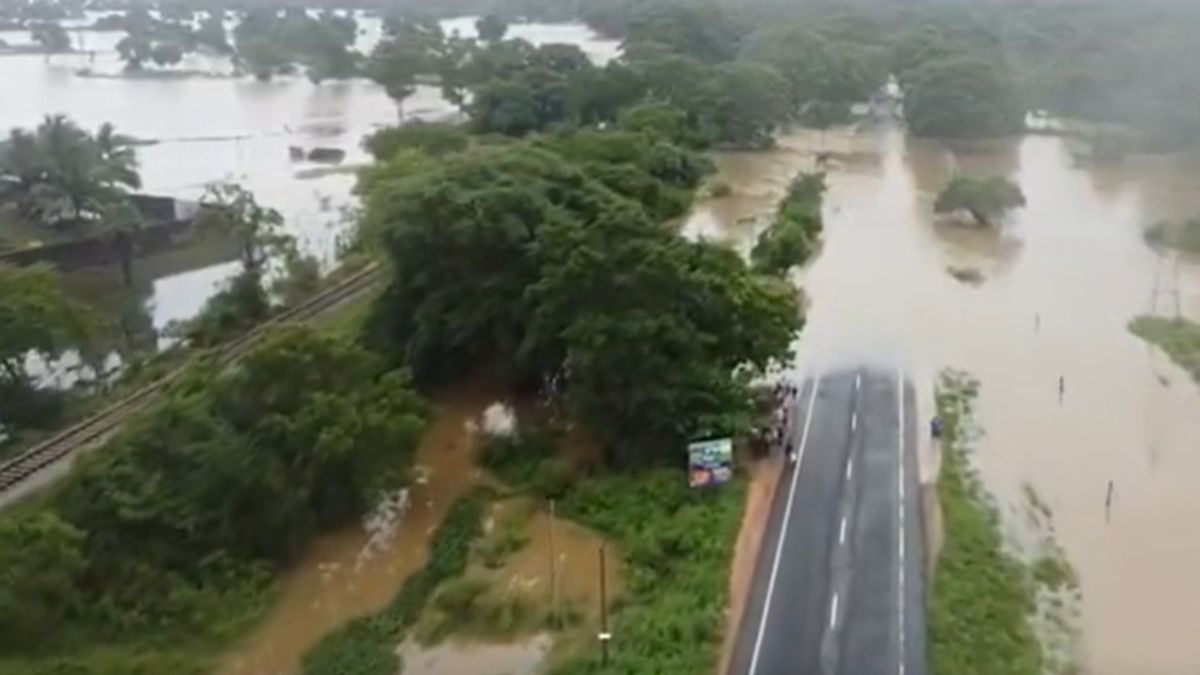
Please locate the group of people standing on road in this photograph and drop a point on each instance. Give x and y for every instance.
(779, 436)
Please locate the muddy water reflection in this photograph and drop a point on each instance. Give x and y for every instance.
(510, 659)
(1060, 284)
(359, 570)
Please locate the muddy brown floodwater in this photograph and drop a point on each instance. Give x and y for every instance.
(357, 571)
(1058, 284)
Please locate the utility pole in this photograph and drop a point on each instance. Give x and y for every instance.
(605, 636)
(1168, 265)
(553, 569)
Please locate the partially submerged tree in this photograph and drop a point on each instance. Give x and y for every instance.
(491, 28)
(51, 36)
(789, 240)
(408, 49)
(986, 199)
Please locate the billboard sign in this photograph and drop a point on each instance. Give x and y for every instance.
(710, 462)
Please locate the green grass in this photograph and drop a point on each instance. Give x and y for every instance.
(676, 545)
(367, 646)
(982, 598)
(1179, 338)
(1182, 235)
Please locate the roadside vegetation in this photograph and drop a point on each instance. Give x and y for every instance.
(1178, 337)
(992, 609)
(980, 600)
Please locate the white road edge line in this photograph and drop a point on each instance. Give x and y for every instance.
(787, 516)
(833, 607)
(900, 530)
(842, 532)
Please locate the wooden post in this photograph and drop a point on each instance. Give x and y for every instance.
(605, 636)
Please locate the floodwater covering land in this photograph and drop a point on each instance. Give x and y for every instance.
(1059, 283)
(213, 127)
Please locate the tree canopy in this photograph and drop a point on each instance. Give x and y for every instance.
(226, 477)
(963, 97)
(540, 257)
(36, 318)
(985, 199)
(59, 173)
(791, 237)
(270, 42)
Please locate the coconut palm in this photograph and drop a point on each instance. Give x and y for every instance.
(60, 173)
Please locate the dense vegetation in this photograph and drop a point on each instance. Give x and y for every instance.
(986, 199)
(36, 318)
(161, 545)
(791, 237)
(555, 270)
(59, 174)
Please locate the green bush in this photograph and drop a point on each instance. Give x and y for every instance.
(1179, 338)
(676, 545)
(788, 242)
(166, 541)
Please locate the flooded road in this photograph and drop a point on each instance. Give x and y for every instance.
(1058, 285)
(210, 127)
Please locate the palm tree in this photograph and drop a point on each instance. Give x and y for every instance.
(61, 173)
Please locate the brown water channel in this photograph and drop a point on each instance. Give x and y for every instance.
(1060, 282)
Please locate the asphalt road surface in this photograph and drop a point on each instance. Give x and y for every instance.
(838, 587)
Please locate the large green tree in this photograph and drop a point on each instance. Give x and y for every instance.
(59, 173)
(245, 464)
(986, 199)
(816, 68)
(407, 50)
(541, 257)
(749, 103)
(963, 97)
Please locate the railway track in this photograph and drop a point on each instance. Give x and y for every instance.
(100, 425)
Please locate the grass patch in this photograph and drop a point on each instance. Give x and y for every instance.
(677, 545)
(1183, 235)
(472, 607)
(982, 598)
(367, 646)
(527, 460)
(1053, 572)
(1179, 338)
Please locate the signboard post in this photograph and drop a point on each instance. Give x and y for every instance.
(710, 463)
